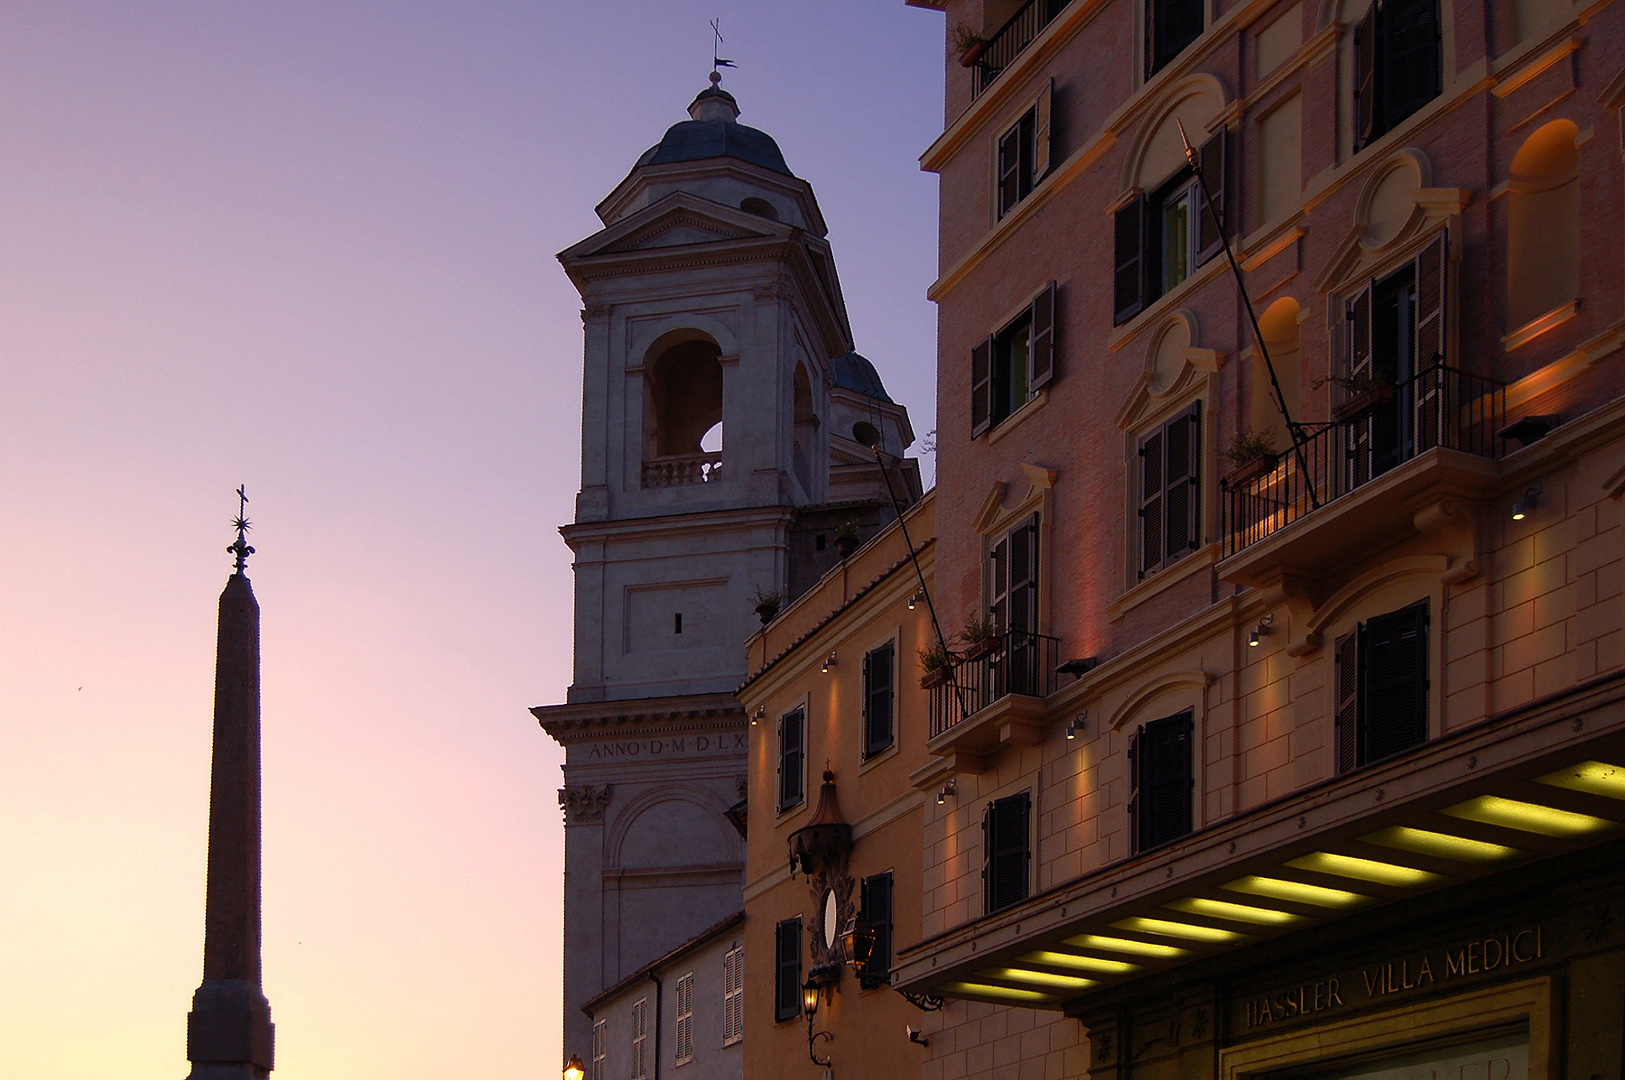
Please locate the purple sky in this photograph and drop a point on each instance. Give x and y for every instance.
(309, 247)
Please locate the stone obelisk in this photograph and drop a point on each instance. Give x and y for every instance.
(229, 1031)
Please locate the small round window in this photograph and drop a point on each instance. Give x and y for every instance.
(865, 433)
(759, 207)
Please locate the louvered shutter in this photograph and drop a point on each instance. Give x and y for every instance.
(1023, 581)
(1359, 365)
(790, 759)
(1394, 702)
(1042, 155)
(1431, 269)
(877, 910)
(1151, 503)
(1134, 790)
(999, 584)
(1365, 79)
(1043, 340)
(787, 988)
(981, 387)
(1007, 851)
(1129, 280)
(1183, 506)
(1166, 780)
(878, 677)
(1215, 173)
(1347, 723)
(1009, 170)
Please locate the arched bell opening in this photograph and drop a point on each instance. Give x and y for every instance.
(683, 414)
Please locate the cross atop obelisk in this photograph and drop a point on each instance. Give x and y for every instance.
(228, 1032)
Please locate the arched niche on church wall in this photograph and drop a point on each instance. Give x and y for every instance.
(676, 827)
(804, 430)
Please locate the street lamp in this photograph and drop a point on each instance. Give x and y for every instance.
(573, 1069)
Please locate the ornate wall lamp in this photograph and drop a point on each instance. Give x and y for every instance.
(811, 990)
(573, 1069)
(1261, 631)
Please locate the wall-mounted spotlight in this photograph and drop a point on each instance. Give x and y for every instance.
(1530, 500)
(761, 711)
(915, 1035)
(1081, 665)
(829, 662)
(1076, 727)
(1261, 631)
(917, 598)
(947, 790)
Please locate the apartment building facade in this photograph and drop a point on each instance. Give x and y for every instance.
(1300, 748)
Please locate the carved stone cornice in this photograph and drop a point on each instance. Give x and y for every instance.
(587, 721)
(584, 805)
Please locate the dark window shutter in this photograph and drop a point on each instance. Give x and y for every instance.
(981, 387)
(1043, 340)
(1365, 79)
(1151, 502)
(1359, 364)
(1394, 701)
(1347, 724)
(1009, 169)
(1134, 790)
(1007, 851)
(787, 985)
(1183, 507)
(1042, 151)
(790, 759)
(1129, 282)
(1022, 584)
(877, 909)
(1215, 173)
(1427, 390)
(877, 699)
(1166, 779)
(999, 584)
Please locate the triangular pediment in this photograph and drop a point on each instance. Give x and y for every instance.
(678, 230)
(679, 220)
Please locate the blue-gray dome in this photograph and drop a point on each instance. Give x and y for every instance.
(854, 372)
(696, 140)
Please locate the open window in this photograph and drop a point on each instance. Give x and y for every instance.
(1170, 25)
(1398, 61)
(1011, 366)
(1162, 237)
(1024, 152)
(1382, 687)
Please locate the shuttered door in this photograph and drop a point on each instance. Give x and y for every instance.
(1129, 280)
(877, 699)
(1365, 78)
(877, 910)
(1358, 433)
(1215, 172)
(981, 387)
(1430, 405)
(1347, 724)
(1020, 656)
(1181, 447)
(787, 985)
(1043, 340)
(1166, 780)
(1394, 698)
(1005, 826)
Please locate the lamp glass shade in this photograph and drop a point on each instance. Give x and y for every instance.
(573, 1069)
(858, 940)
(809, 998)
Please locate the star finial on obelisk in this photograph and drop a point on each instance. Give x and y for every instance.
(242, 525)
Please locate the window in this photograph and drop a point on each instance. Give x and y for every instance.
(1161, 238)
(1024, 153)
(600, 1035)
(1170, 25)
(1396, 332)
(640, 1039)
(879, 693)
(1160, 781)
(875, 903)
(792, 755)
(1397, 62)
(683, 1036)
(1170, 490)
(787, 969)
(1007, 851)
(1382, 687)
(1010, 367)
(733, 995)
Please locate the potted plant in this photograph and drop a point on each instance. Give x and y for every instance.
(980, 637)
(846, 538)
(969, 44)
(1253, 455)
(1363, 394)
(767, 605)
(934, 660)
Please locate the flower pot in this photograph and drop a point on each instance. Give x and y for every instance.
(975, 650)
(846, 545)
(1363, 403)
(766, 612)
(973, 52)
(934, 677)
(1249, 471)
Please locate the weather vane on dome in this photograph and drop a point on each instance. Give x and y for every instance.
(716, 47)
(242, 525)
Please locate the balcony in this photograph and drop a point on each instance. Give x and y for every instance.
(993, 696)
(1014, 36)
(1357, 483)
(677, 470)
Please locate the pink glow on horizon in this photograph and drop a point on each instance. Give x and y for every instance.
(309, 248)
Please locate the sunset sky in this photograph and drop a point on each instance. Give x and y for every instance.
(309, 247)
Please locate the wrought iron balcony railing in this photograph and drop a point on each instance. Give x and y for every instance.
(682, 469)
(1014, 36)
(1376, 430)
(1016, 662)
